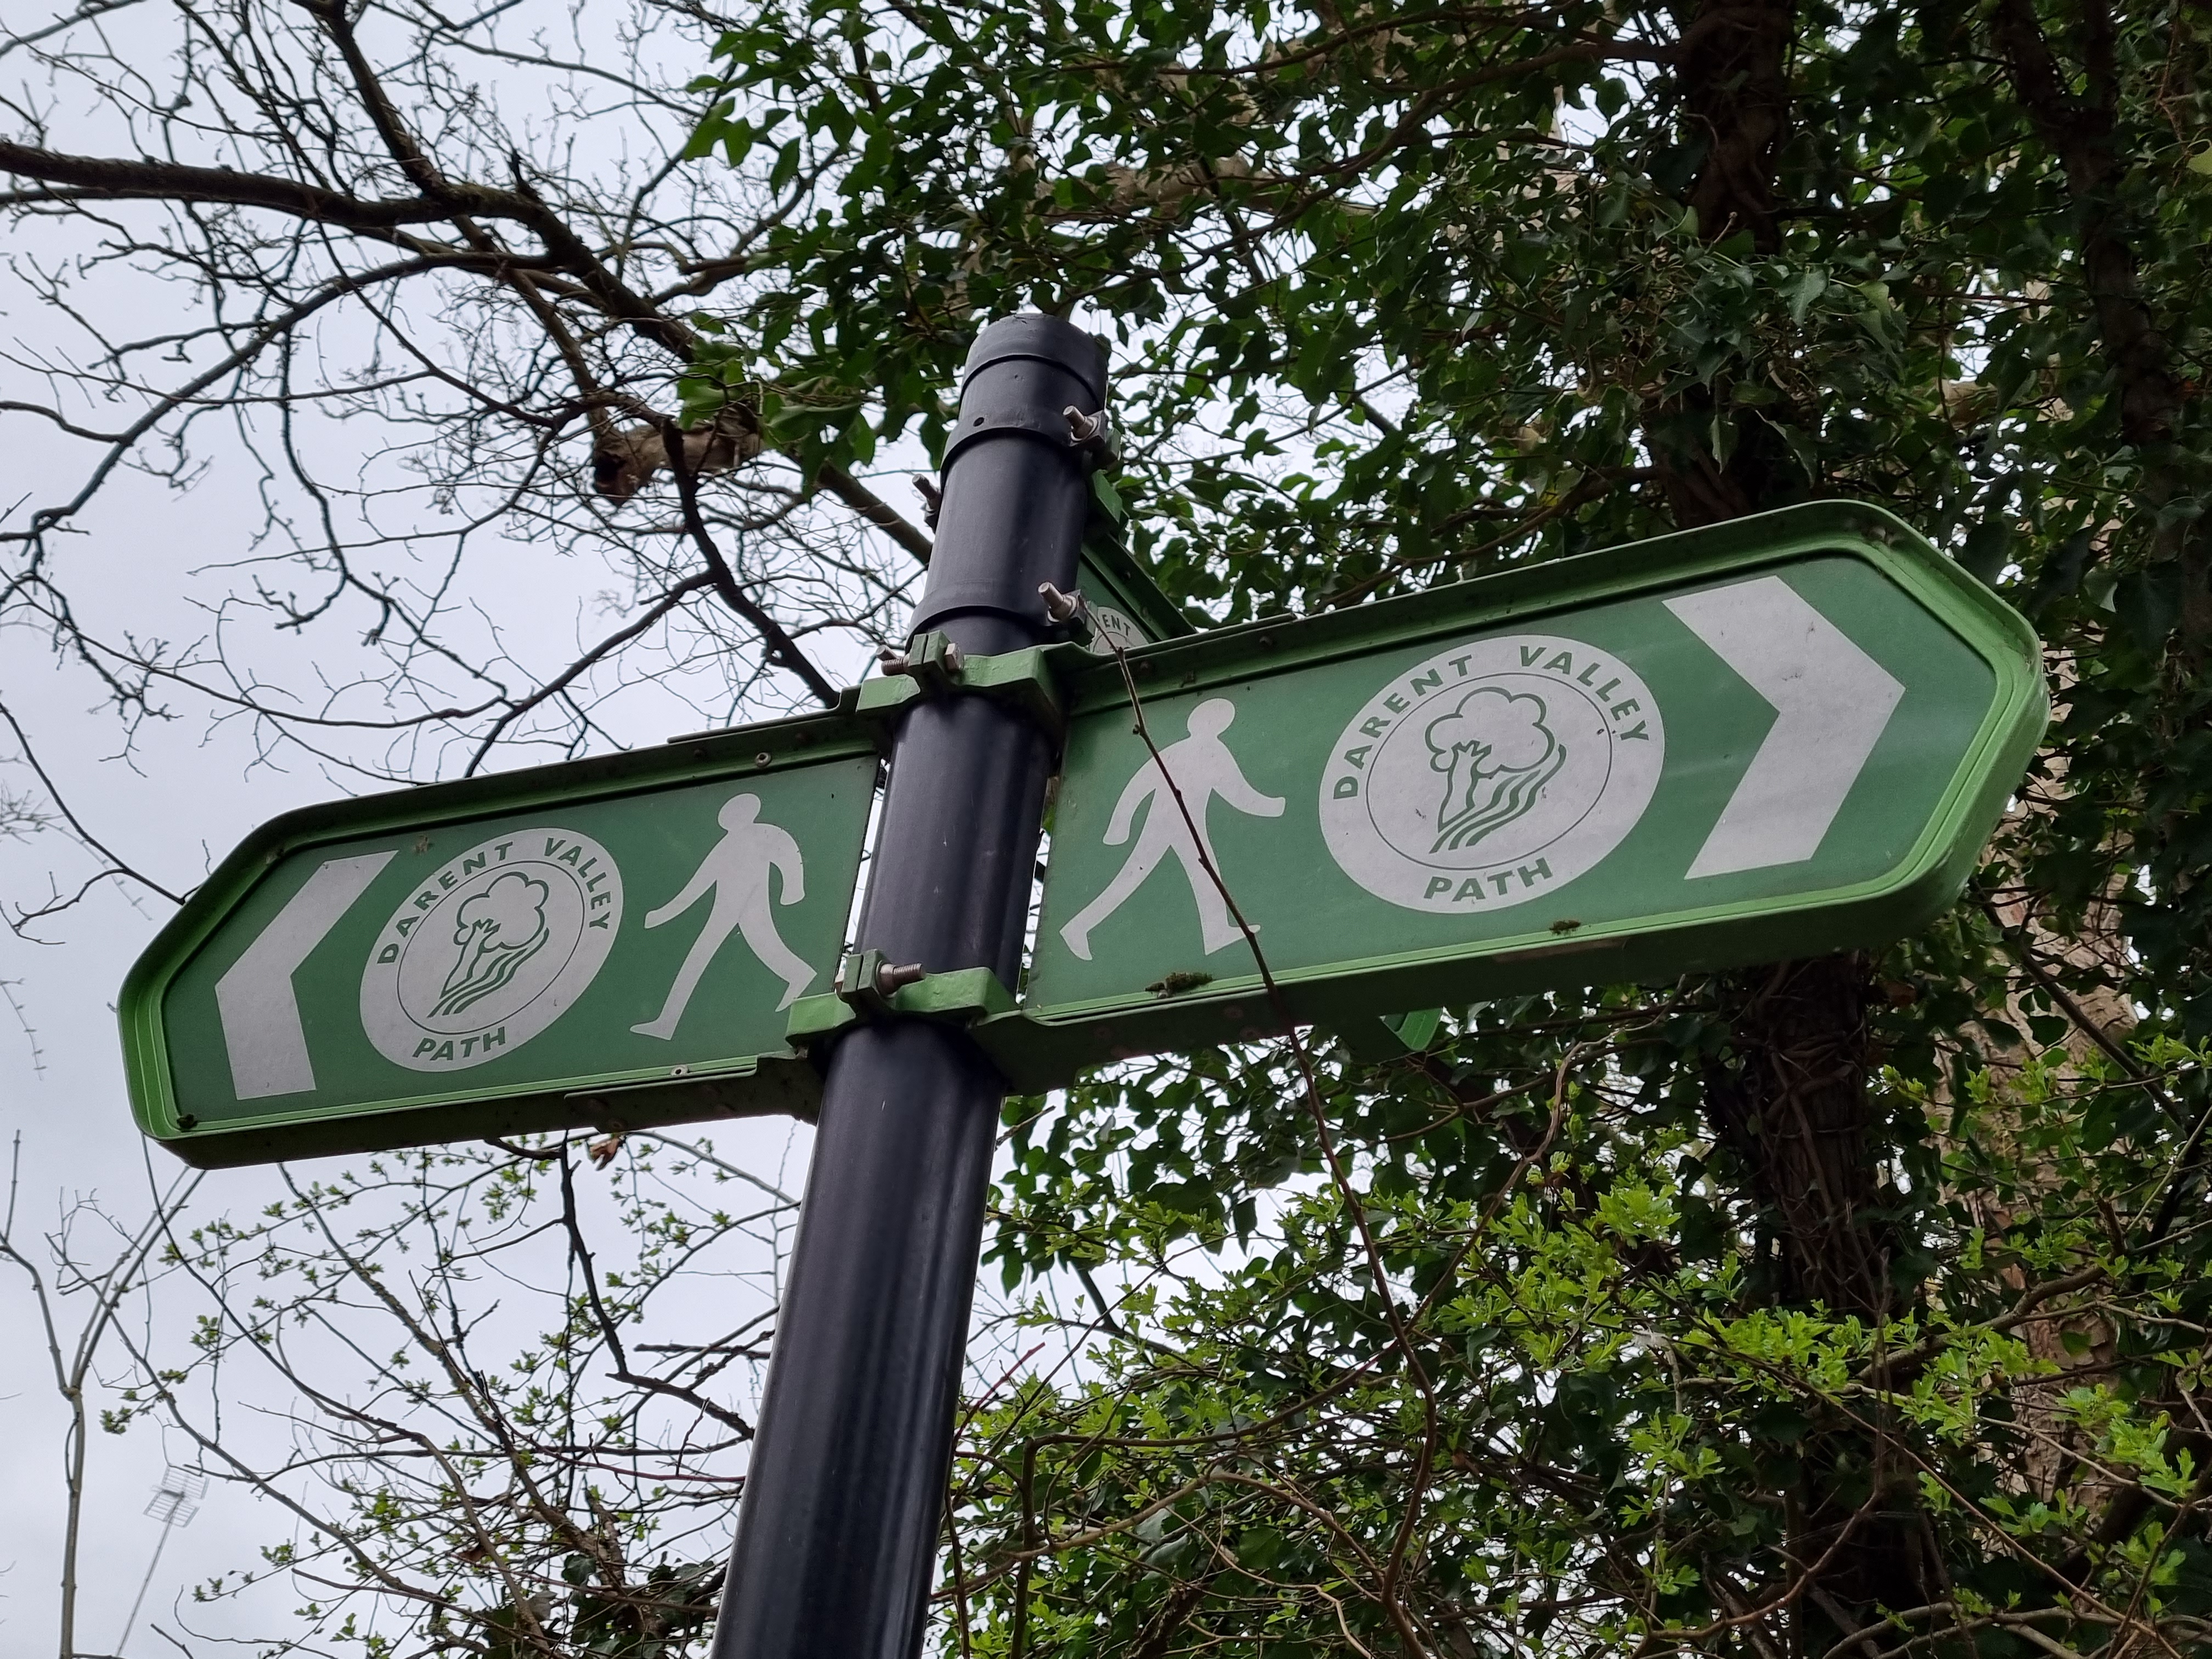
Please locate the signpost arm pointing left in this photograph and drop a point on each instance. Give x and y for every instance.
(260, 1014)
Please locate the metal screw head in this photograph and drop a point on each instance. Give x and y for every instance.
(762, 757)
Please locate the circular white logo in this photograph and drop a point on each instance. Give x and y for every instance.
(1491, 774)
(490, 949)
(1110, 628)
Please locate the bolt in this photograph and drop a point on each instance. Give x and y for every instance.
(1059, 607)
(889, 979)
(892, 660)
(955, 659)
(1091, 433)
(933, 499)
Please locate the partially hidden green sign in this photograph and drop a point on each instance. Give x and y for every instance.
(611, 942)
(1787, 735)
(1126, 607)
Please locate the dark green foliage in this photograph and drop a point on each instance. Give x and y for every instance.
(1839, 1308)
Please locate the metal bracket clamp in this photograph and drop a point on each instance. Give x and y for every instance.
(932, 661)
(1068, 613)
(1025, 681)
(868, 979)
(1092, 434)
(869, 987)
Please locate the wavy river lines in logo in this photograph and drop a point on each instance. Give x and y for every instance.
(1491, 774)
(491, 949)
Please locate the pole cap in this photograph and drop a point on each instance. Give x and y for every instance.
(1049, 339)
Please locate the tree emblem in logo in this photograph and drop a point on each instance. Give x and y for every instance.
(1496, 755)
(491, 949)
(498, 930)
(1491, 774)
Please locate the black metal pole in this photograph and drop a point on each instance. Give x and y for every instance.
(845, 1495)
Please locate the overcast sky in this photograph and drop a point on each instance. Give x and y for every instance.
(171, 797)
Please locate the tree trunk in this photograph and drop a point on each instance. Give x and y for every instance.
(1788, 1099)
(2082, 131)
(1791, 1101)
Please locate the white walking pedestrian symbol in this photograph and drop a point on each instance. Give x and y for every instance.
(1202, 768)
(737, 873)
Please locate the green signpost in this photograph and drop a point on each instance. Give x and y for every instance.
(1787, 735)
(1780, 737)
(611, 942)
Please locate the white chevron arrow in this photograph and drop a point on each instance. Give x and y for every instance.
(1831, 703)
(260, 1013)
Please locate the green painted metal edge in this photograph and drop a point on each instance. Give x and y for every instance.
(961, 997)
(741, 1085)
(1046, 1047)
(1027, 681)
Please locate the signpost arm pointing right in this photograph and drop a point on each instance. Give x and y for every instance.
(1832, 703)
